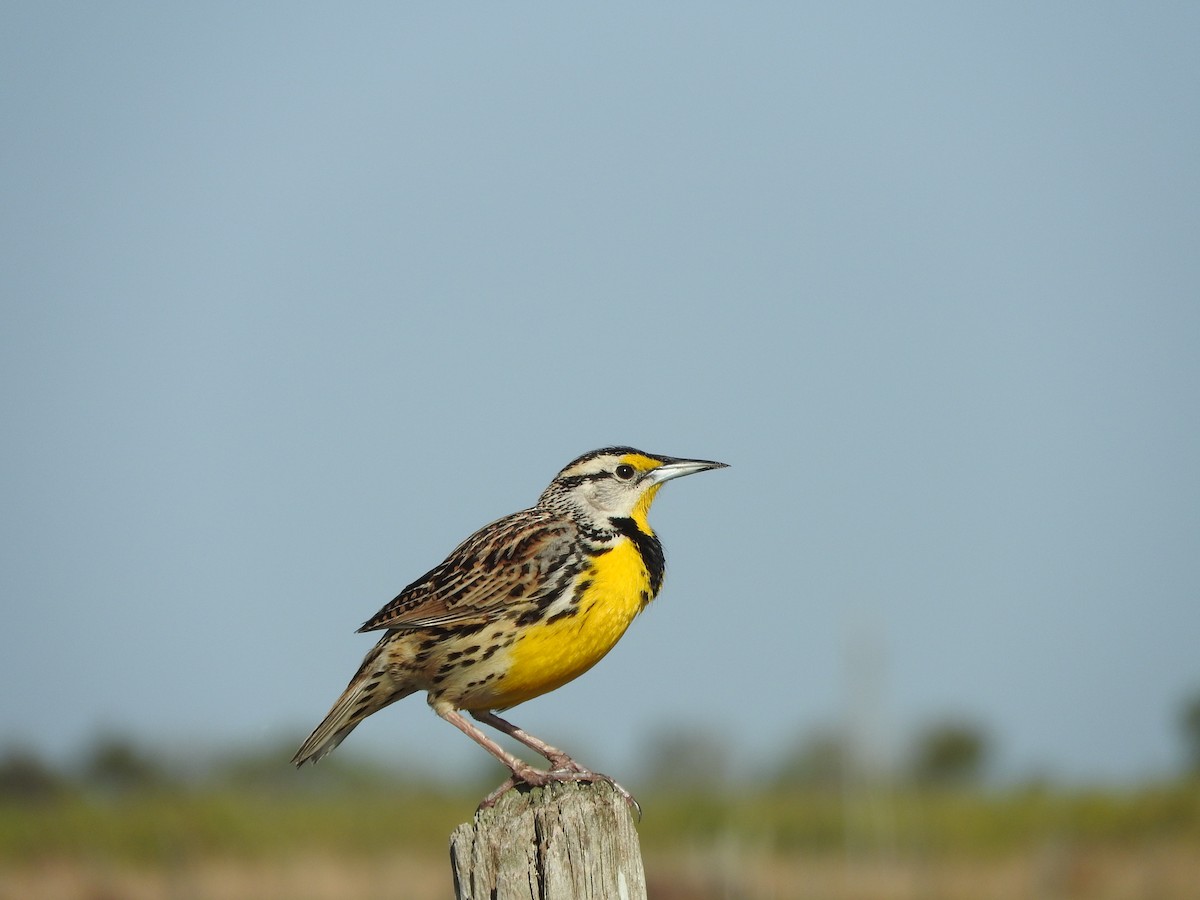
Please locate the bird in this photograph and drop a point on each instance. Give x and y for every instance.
(521, 607)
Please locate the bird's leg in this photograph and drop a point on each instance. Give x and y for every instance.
(559, 761)
(564, 768)
(521, 770)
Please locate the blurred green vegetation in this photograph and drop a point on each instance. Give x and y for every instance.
(122, 803)
(824, 819)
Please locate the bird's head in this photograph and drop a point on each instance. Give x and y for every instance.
(616, 483)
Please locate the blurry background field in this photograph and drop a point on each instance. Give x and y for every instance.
(125, 823)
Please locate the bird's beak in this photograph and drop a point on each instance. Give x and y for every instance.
(677, 468)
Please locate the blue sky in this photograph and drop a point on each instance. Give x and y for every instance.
(297, 298)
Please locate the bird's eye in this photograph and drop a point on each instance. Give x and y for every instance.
(625, 471)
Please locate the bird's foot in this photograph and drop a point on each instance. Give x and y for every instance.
(560, 762)
(568, 772)
(490, 800)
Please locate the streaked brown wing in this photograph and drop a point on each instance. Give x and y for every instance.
(512, 562)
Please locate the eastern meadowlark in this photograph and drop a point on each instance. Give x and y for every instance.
(519, 608)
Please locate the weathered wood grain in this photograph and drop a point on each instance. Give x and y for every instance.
(561, 842)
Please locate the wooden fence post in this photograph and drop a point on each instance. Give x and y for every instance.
(560, 842)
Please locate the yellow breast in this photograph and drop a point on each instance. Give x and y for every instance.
(549, 654)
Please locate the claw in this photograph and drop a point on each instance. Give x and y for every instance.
(569, 772)
(490, 800)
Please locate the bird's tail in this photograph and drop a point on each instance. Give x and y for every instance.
(370, 690)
